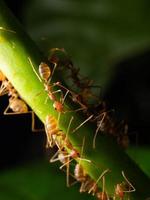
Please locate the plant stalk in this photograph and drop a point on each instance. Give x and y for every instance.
(16, 49)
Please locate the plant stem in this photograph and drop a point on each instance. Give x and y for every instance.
(15, 50)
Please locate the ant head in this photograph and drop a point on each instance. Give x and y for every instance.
(101, 196)
(58, 106)
(74, 153)
(119, 190)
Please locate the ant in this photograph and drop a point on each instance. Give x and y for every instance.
(16, 104)
(46, 75)
(124, 187)
(94, 188)
(52, 131)
(66, 158)
(82, 83)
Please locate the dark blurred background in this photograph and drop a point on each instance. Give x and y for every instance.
(109, 41)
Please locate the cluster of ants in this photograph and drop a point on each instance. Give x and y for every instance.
(80, 94)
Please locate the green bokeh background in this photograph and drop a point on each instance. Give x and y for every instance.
(109, 41)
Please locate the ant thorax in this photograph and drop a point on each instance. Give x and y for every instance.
(58, 106)
(74, 153)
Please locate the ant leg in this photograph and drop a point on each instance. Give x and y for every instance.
(97, 130)
(20, 113)
(55, 65)
(6, 109)
(84, 185)
(83, 107)
(33, 123)
(66, 141)
(3, 90)
(90, 117)
(55, 158)
(100, 177)
(62, 99)
(67, 172)
(74, 182)
(130, 185)
(103, 114)
(51, 95)
(50, 141)
(34, 69)
(66, 163)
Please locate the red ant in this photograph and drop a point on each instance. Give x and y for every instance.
(46, 76)
(17, 105)
(94, 188)
(121, 188)
(65, 158)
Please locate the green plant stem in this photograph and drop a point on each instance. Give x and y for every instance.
(15, 49)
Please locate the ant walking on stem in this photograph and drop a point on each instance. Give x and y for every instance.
(122, 188)
(94, 188)
(66, 158)
(46, 76)
(53, 132)
(16, 104)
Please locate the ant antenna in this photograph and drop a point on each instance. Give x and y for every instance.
(100, 124)
(100, 177)
(132, 187)
(34, 69)
(90, 117)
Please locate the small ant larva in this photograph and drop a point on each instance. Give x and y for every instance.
(121, 188)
